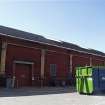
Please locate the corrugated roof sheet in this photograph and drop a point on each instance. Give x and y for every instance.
(34, 37)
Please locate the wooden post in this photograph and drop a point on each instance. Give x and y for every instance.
(14, 77)
(71, 69)
(42, 65)
(33, 78)
(3, 58)
(71, 63)
(90, 61)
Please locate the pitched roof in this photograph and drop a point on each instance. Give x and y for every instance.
(11, 32)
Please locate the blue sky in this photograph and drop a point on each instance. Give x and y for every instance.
(76, 21)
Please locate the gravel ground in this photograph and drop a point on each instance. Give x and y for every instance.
(48, 96)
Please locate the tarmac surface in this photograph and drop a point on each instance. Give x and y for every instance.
(48, 96)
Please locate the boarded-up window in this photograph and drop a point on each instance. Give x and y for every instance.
(53, 70)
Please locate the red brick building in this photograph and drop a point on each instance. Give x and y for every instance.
(32, 60)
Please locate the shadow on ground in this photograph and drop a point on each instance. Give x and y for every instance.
(100, 93)
(35, 91)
